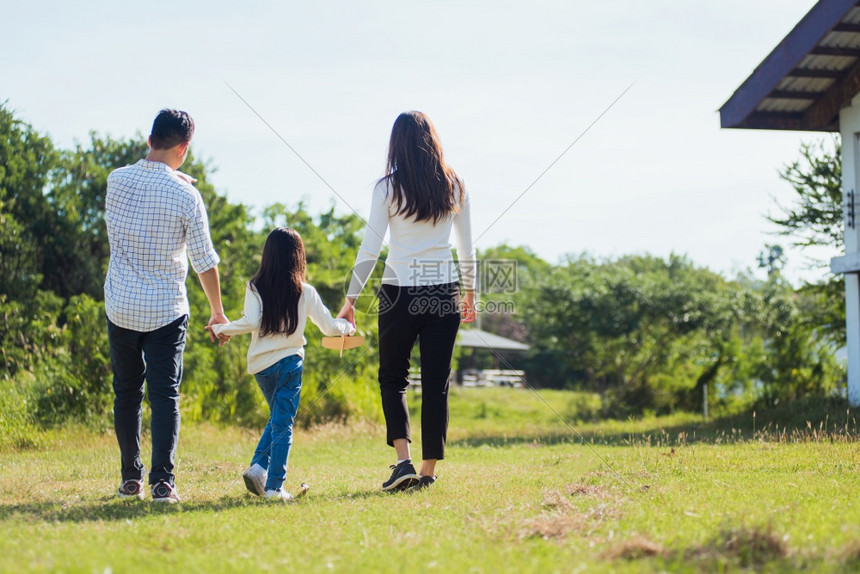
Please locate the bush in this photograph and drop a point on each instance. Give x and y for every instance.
(17, 413)
(75, 383)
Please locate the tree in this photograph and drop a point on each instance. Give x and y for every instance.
(816, 216)
(649, 333)
(816, 219)
(76, 246)
(26, 163)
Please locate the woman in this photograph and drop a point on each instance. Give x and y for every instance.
(420, 200)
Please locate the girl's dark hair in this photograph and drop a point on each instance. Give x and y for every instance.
(422, 184)
(279, 280)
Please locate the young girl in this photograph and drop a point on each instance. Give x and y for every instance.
(277, 305)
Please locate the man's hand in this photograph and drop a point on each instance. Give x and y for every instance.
(222, 338)
(186, 177)
(217, 319)
(468, 311)
(348, 311)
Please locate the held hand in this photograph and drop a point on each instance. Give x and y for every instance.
(217, 319)
(347, 312)
(222, 338)
(468, 312)
(186, 177)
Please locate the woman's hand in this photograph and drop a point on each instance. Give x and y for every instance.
(348, 311)
(468, 312)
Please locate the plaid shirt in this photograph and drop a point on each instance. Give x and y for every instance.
(152, 216)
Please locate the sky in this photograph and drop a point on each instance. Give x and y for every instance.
(508, 85)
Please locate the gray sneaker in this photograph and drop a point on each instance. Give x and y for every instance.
(403, 476)
(255, 479)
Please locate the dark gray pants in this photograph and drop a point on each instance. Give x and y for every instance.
(430, 314)
(154, 357)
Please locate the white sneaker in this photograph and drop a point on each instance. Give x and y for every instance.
(255, 479)
(278, 495)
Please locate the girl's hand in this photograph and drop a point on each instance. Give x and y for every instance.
(222, 338)
(347, 311)
(468, 312)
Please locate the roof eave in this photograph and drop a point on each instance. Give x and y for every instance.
(740, 110)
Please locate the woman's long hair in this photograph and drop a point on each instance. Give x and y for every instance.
(422, 184)
(279, 280)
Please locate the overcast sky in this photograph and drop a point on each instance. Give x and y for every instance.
(509, 86)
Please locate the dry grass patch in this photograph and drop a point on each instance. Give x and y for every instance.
(748, 547)
(634, 549)
(850, 554)
(561, 517)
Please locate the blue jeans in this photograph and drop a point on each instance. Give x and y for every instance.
(154, 357)
(282, 386)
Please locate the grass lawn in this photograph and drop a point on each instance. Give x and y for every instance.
(518, 493)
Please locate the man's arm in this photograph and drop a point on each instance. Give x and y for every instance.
(211, 284)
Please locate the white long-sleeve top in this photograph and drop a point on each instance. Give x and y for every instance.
(420, 251)
(263, 352)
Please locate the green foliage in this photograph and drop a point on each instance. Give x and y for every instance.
(648, 334)
(796, 361)
(816, 219)
(55, 252)
(75, 384)
(816, 216)
(644, 334)
(29, 333)
(18, 428)
(76, 246)
(26, 161)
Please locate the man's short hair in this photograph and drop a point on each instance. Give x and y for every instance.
(170, 128)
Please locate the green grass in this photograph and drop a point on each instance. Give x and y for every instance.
(517, 493)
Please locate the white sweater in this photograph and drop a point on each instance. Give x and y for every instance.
(419, 252)
(263, 352)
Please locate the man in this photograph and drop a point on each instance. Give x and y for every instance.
(156, 221)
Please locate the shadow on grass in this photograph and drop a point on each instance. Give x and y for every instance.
(110, 508)
(113, 509)
(820, 419)
(359, 495)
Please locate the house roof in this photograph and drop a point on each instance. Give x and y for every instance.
(484, 340)
(807, 78)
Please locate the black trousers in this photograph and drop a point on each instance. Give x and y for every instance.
(430, 314)
(154, 357)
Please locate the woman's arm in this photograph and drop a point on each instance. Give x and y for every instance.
(321, 316)
(466, 257)
(368, 253)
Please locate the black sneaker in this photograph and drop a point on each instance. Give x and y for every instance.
(424, 482)
(163, 491)
(131, 489)
(402, 477)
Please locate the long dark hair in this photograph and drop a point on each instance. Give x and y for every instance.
(279, 280)
(422, 184)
